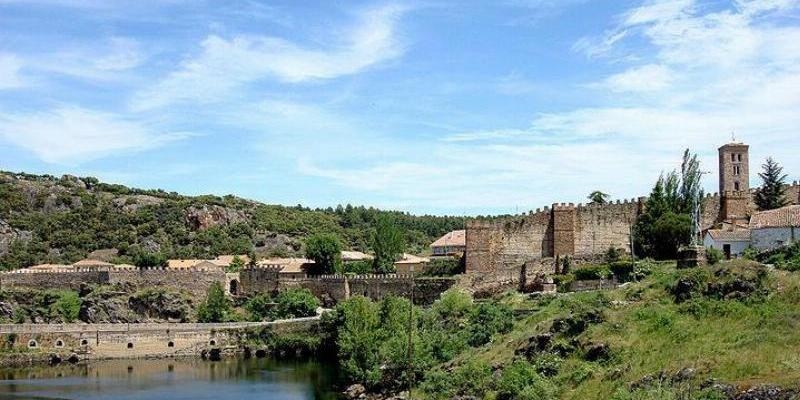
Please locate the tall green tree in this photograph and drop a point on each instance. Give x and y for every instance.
(326, 251)
(388, 245)
(772, 193)
(666, 222)
(216, 307)
(598, 197)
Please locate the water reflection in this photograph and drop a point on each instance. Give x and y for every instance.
(173, 379)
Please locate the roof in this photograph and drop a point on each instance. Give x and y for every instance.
(178, 264)
(227, 259)
(454, 238)
(783, 217)
(355, 256)
(290, 265)
(92, 263)
(49, 267)
(739, 235)
(412, 259)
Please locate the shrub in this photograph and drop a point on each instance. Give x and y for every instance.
(623, 270)
(750, 253)
(713, 255)
(563, 282)
(486, 320)
(216, 307)
(474, 378)
(325, 249)
(68, 306)
(453, 305)
(356, 267)
(591, 272)
(613, 255)
(444, 267)
(520, 381)
(296, 303)
(260, 307)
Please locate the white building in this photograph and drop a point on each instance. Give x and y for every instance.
(731, 242)
(775, 228)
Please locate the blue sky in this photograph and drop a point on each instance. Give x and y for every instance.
(445, 107)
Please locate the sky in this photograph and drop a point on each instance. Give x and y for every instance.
(430, 106)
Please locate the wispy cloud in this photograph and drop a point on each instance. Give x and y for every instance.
(227, 64)
(72, 135)
(10, 77)
(646, 78)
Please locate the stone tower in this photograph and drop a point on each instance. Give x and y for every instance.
(734, 183)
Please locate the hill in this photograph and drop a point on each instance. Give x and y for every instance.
(61, 220)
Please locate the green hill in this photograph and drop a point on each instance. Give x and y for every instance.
(60, 220)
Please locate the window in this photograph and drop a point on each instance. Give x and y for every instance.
(733, 157)
(740, 157)
(736, 186)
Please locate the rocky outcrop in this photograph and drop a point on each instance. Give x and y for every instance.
(9, 235)
(202, 218)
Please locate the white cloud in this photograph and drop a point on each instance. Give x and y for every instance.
(10, 66)
(73, 135)
(226, 64)
(105, 60)
(646, 78)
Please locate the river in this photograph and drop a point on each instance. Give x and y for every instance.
(173, 379)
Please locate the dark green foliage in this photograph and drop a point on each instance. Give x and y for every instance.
(666, 223)
(598, 197)
(144, 259)
(521, 381)
(444, 267)
(622, 270)
(216, 307)
(236, 265)
(325, 249)
(613, 255)
(591, 272)
(772, 193)
(356, 267)
(260, 307)
(786, 258)
(563, 282)
(295, 303)
(108, 216)
(67, 306)
(486, 320)
(388, 245)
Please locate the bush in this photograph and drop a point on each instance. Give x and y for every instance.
(563, 282)
(591, 272)
(520, 381)
(216, 307)
(713, 255)
(67, 306)
(356, 267)
(296, 303)
(486, 320)
(623, 270)
(260, 307)
(326, 251)
(473, 378)
(444, 267)
(613, 255)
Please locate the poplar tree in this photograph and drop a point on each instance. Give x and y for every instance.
(771, 194)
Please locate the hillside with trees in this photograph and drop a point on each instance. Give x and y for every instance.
(46, 219)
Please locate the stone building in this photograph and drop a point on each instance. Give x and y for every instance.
(506, 252)
(775, 228)
(451, 244)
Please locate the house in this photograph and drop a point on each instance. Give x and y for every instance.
(775, 228)
(226, 260)
(182, 264)
(731, 242)
(94, 264)
(290, 268)
(451, 244)
(50, 268)
(411, 264)
(355, 256)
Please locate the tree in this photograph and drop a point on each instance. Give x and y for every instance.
(216, 307)
(326, 251)
(145, 259)
(236, 265)
(296, 303)
(771, 194)
(387, 244)
(68, 306)
(598, 197)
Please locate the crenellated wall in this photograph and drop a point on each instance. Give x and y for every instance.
(52, 280)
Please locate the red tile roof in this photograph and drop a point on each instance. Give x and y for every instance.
(740, 235)
(454, 238)
(783, 217)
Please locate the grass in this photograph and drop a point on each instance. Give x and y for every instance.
(744, 341)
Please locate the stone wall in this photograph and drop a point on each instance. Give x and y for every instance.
(258, 280)
(192, 281)
(597, 228)
(335, 288)
(52, 280)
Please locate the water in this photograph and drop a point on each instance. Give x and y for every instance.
(174, 380)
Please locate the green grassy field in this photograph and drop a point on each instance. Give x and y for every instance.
(736, 322)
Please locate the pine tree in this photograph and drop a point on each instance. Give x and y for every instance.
(771, 194)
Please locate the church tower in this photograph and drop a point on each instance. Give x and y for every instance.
(734, 183)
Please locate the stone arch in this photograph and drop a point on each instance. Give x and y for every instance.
(212, 342)
(32, 344)
(233, 287)
(59, 343)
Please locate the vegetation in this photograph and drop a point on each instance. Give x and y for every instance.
(786, 258)
(772, 193)
(67, 306)
(216, 307)
(444, 267)
(296, 303)
(598, 197)
(387, 244)
(666, 223)
(76, 216)
(325, 249)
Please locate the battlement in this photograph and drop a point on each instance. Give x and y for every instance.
(736, 193)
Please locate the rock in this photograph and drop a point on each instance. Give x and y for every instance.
(9, 235)
(535, 345)
(6, 310)
(685, 374)
(598, 352)
(574, 324)
(202, 218)
(767, 392)
(355, 391)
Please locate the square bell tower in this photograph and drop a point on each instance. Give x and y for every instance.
(734, 182)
